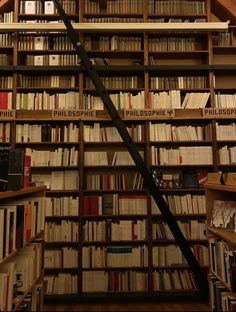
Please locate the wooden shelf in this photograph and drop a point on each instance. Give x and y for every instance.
(117, 27)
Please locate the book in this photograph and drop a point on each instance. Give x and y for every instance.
(202, 177)
(190, 179)
(20, 225)
(223, 215)
(9, 268)
(30, 7)
(16, 168)
(4, 160)
(27, 164)
(48, 7)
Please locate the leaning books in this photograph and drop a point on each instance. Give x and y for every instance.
(224, 215)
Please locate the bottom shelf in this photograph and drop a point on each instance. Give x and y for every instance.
(127, 297)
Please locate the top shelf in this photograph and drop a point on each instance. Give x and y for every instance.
(118, 27)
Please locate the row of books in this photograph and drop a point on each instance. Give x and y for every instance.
(20, 221)
(114, 256)
(225, 100)
(47, 132)
(157, 131)
(104, 158)
(6, 82)
(119, 230)
(222, 259)
(51, 60)
(113, 43)
(61, 231)
(4, 60)
(173, 280)
(174, 44)
(62, 283)
(19, 274)
(57, 157)
(47, 101)
(227, 155)
(224, 38)
(96, 132)
(122, 82)
(120, 281)
(172, 255)
(184, 155)
(65, 257)
(115, 281)
(178, 82)
(221, 298)
(5, 132)
(122, 100)
(127, 256)
(114, 7)
(226, 132)
(61, 206)
(166, 19)
(173, 99)
(169, 132)
(29, 42)
(51, 81)
(114, 204)
(113, 19)
(177, 7)
(191, 229)
(112, 182)
(37, 7)
(7, 17)
(58, 180)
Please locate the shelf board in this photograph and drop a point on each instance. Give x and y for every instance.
(118, 27)
(21, 192)
(224, 188)
(226, 235)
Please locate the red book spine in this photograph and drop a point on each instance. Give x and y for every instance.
(27, 170)
(28, 219)
(3, 100)
(86, 206)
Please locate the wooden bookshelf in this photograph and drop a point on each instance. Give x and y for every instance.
(221, 246)
(58, 115)
(21, 244)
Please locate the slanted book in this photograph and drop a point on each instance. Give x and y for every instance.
(224, 215)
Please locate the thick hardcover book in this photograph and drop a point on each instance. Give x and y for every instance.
(27, 164)
(4, 159)
(190, 179)
(16, 168)
(20, 225)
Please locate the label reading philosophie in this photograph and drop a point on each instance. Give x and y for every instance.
(219, 112)
(148, 113)
(73, 114)
(7, 114)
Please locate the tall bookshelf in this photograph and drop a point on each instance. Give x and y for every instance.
(102, 220)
